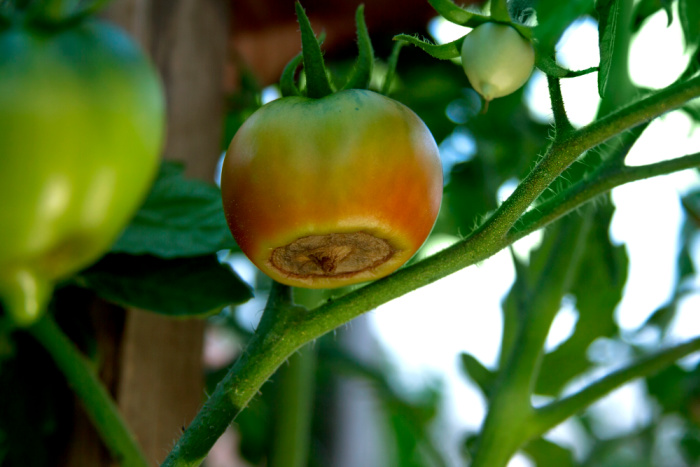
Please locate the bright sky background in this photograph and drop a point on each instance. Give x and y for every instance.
(424, 332)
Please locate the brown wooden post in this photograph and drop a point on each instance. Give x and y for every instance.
(160, 378)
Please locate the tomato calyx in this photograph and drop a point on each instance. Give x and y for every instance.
(332, 255)
(317, 83)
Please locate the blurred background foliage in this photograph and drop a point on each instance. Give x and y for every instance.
(353, 405)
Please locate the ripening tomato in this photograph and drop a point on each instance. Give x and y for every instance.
(328, 192)
(497, 59)
(81, 128)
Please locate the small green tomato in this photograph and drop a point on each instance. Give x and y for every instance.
(497, 59)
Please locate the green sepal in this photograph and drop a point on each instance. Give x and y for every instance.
(287, 85)
(362, 71)
(443, 52)
(455, 14)
(550, 67)
(391, 69)
(317, 84)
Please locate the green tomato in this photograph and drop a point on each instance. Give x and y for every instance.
(497, 60)
(81, 129)
(324, 193)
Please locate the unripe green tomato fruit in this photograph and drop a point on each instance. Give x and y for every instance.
(497, 59)
(323, 193)
(81, 129)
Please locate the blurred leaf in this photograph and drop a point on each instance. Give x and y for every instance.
(477, 372)
(548, 454)
(427, 86)
(553, 17)
(629, 450)
(181, 217)
(646, 8)
(690, 445)
(598, 288)
(608, 16)
(182, 287)
(470, 194)
(670, 388)
(689, 13)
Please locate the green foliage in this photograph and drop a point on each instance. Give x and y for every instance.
(180, 218)
(166, 260)
(608, 16)
(179, 287)
(553, 17)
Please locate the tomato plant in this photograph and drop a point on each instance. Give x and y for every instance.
(81, 127)
(497, 59)
(332, 191)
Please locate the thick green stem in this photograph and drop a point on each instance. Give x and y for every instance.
(268, 349)
(97, 401)
(593, 186)
(294, 402)
(510, 402)
(273, 342)
(294, 410)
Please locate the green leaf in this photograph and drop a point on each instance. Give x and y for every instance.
(443, 52)
(553, 17)
(646, 8)
(477, 372)
(471, 193)
(548, 454)
(180, 218)
(689, 13)
(670, 388)
(550, 67)
(181, 287)
(598, 288)
(608, 17)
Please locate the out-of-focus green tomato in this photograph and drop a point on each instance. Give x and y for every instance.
(81, 129)
(497, 59)
(329, 192)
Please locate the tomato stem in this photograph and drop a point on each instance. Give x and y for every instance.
(317, 84)
(97, 401)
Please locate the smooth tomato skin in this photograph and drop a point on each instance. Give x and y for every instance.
(497, 59)
(81, 129)
(354, 161)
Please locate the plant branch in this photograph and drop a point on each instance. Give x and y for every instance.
(86, 384)
(562, 125)
(590, 187)
(549, 416)
(274, 341)
(510, 401)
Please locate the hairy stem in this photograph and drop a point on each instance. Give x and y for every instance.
(593, 186)
(273, 342)
(96, 399)
(510, 402)
(286, 332)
